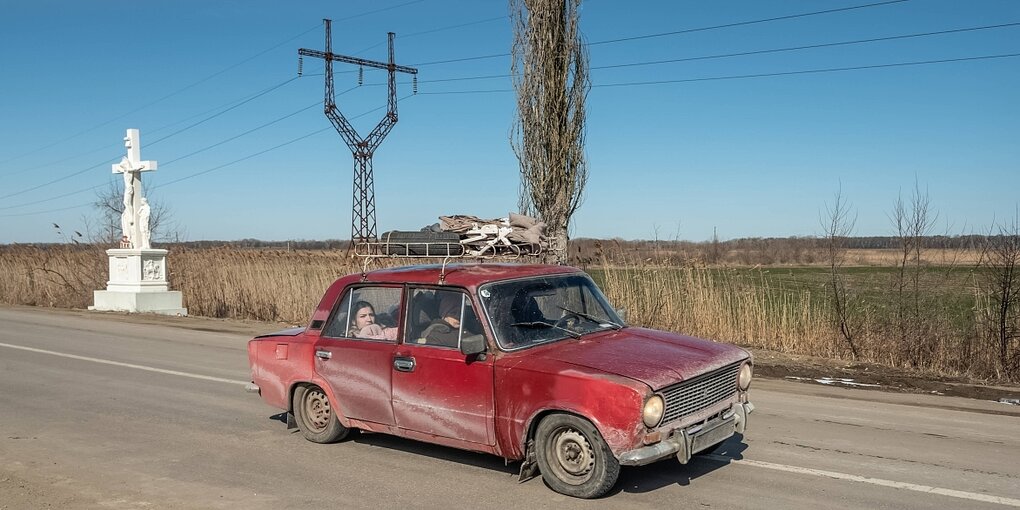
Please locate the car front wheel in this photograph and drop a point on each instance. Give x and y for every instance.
(573, 457)
(316, 417)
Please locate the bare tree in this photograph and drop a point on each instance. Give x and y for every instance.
(109, 204)
(1001, 278)
(838, 226)
(550, 75)
(912, 225)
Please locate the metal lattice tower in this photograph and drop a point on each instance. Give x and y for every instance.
(363, 218)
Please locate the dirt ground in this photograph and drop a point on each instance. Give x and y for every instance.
(768, 364)
(872, 376)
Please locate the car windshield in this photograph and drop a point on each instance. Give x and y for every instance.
(534, 311)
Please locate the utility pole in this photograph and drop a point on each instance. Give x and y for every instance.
(363, 218)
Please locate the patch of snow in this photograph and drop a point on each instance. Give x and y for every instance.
(834, 380)
(1010, 401)
(845, 382)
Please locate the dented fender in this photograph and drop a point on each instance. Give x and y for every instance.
(526, 393)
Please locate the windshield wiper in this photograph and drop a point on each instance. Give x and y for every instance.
(591, 317)
(539, 324)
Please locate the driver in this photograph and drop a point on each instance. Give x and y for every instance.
(445, 330)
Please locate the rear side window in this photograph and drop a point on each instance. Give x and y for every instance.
(440, 318)
(370, 313)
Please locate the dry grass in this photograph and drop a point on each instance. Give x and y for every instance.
(714, 304)
(932, 257)
(57, 276)
(747, 307)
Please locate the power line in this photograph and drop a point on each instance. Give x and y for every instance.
(745, 23)
(51, 198)
(46, 212)
(810, 71)
(383, 9)
(174, 93)
(678, 32)
(196, 152)
(434, 30)
(235, 137)
(248, 100)
(233, 104)
(747, 53)
(759, 75)
(203, 80)
(808, 47)
(302, 137)
(54, 181)
(164, 164)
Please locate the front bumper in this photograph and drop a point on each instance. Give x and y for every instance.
(685, 442)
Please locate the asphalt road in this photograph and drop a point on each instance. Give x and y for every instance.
(103, 411)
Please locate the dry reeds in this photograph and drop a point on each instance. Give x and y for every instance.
(717, 304)
(750, 307)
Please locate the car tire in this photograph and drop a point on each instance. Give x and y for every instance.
(316, 416)
(573, 457)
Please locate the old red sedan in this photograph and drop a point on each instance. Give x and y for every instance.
(527, 362)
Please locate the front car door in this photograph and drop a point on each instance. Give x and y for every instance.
(437, 391)
(356, 359)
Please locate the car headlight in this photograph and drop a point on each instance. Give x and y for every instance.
(652, 413)
(744, 379)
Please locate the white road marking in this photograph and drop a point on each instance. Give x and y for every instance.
(747, 462)
(985, 498)
(126, 365)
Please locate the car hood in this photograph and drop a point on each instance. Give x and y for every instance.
(656, 358)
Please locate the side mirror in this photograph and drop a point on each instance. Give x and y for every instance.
(474, 344)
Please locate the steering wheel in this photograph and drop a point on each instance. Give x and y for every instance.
(567, 320)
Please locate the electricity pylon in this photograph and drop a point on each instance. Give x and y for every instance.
(363, 218)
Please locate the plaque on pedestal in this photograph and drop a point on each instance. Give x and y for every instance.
(138, 284)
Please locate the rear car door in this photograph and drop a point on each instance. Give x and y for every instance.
(358, 369)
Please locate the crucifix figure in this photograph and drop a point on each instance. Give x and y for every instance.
(136, 208)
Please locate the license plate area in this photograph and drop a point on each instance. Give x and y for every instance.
(711, 434)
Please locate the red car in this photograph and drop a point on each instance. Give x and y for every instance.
(527, 362)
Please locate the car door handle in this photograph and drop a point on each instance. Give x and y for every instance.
(323, 354)
(404, 364)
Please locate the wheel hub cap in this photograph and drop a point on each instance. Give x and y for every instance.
(574, 453)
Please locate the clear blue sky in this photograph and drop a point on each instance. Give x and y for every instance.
(752, 156)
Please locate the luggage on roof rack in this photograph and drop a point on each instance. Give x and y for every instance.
(421, 244)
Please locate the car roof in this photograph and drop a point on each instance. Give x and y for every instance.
(465, 275)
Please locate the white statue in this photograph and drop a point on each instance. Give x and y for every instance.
(143, 226)
(127, 217)
(135, 229)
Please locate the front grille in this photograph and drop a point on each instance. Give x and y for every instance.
(702, 392)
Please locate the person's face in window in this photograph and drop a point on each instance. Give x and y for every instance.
(363, 317)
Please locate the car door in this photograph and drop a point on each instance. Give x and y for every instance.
(437, 390)
(358, 368)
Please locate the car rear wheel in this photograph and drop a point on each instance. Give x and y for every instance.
(573, 457)
(316, 417)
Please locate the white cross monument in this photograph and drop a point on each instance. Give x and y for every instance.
(137, 271)
(131, 166)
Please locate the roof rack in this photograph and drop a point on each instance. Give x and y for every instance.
(375, 250)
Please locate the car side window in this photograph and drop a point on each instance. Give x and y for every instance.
(440, 318)
(370, 313)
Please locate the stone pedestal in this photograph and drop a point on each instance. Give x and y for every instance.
(138, 284)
